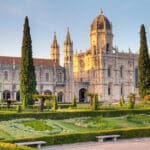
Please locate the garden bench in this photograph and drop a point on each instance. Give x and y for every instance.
(38, 143)
(101, 138)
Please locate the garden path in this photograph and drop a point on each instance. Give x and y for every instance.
(127, 144)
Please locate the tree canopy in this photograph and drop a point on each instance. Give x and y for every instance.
(27, 69)
(143, 64)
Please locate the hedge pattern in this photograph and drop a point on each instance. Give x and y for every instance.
(66, 115)
(10, 146)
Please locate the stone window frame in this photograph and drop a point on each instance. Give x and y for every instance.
(109, 71)
(46, 76)
(107, 47)
(5, 75)
(109, 90)
(60, 76)
(122, 90)
(121, 71)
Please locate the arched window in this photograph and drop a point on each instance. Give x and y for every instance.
(82, 96)
(18, 95)
(6, 75)
(60, 97)
(100, 25)
(59, 77)
(121, 90)
(94, 50)
(107, 47)
(6, 94)
(109, 89)
(109, 71)
(121, 71)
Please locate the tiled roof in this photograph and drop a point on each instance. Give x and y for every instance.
(16, 60)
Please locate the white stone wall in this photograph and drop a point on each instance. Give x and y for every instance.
(115, 61)
(12, 84)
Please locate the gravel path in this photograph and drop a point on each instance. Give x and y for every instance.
(130, 144)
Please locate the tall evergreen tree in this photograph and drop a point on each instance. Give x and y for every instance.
(143, 64)
(27, 70)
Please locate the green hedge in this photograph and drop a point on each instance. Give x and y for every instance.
(10, 146)
(61, 106)
(89, 136)
(68, 114)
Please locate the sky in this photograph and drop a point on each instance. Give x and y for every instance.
(49, 16)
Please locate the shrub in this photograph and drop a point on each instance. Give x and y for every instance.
(10, 146)
(19, 108)
(131, 101)
(74, 103)
(64, 105)
(95, 102)
(91, 95)
(55, 106)
(121, 102)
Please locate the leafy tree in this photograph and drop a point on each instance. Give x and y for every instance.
(42, 99)
(143, 65)
(27, 70)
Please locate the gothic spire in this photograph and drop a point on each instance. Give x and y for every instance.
(54, 44)
(68, 39)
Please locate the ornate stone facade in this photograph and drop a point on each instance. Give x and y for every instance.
(100, 69)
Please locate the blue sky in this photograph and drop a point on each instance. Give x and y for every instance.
(48, 16)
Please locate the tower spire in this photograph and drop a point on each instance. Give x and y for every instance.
(55, 50)
(68, 39)
(54, 43)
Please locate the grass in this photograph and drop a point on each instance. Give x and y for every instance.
(103, 123)
(37, 125)
(30, 127)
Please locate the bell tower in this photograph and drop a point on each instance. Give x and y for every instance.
(101, 36)
(68, 64)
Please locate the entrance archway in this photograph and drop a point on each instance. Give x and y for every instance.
(82, 96)
(6, 94)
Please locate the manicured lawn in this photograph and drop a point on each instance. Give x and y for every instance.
(30, 127)
(37, 125)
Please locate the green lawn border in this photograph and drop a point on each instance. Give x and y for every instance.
(89, 136)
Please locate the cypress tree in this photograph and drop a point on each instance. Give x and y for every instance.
(27, 70)
(143, 65)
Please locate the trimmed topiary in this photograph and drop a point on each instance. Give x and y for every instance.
(19, 108)
(74, 102)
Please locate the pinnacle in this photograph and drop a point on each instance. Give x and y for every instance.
(54, 44)
(68, 39)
